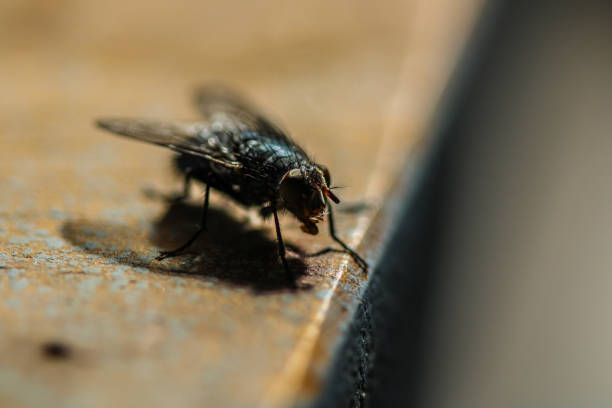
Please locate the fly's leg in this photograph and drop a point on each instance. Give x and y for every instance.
(177, 251)
(182, 196)
(281, 248)
(332, 232)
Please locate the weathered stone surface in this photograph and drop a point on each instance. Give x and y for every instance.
(88, 317)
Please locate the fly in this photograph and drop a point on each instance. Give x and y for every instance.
(240, 153)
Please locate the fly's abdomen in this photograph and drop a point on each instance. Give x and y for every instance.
(247, 191)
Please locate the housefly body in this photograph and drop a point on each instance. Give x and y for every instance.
(240, 153)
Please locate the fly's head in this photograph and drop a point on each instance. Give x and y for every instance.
(303, 191)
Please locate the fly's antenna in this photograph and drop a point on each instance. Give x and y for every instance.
(331, 195)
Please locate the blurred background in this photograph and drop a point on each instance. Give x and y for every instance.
(514, 307)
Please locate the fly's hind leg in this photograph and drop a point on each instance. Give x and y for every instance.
(185, 194)
(171, 198)
(202, 228)
(332, 232)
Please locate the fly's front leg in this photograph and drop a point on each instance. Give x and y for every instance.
(281, 248)
(332, 232)
(177, 251)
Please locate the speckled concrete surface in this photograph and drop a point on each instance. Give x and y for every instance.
(88, 317)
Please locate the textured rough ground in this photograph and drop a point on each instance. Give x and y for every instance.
(88, 317)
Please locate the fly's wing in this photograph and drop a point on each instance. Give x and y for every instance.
(182, 137)
(228, 109)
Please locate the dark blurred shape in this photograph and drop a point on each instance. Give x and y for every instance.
(518, 315)
(496, 289)
(56, 350)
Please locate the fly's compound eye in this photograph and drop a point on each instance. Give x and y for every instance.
(292, 187)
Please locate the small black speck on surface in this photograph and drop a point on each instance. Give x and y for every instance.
(56, 350)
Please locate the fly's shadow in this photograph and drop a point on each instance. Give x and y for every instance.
(230, 250)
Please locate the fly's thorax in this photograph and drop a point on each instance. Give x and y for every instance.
(303, 192)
